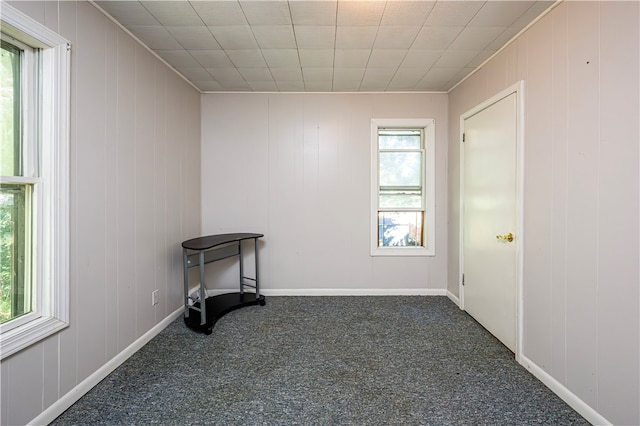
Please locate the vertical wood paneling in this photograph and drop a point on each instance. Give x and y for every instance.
(159, 195)
(537, 226)
(353, 113)
(20, 406)
(189, 189)
(188, 183)
(111, 189)
(35, 9)
(252, 175)
(512, 63)
(127, 191)
(192, 158)
(242, 136)
(438, 267)
(558, 244)
(51, 373)
(125, 181)
(89, 153)
(4, 392)
(173, 187)
(618, 210)
(144, 189)
(321, 127)
(476, 89)
(456, 101)
(523, 59)
(284, 224)
(68, 337)
(328, 176)
(496, 72)
(582, 200)
(51, 15)
(328, 147)
(315, 241)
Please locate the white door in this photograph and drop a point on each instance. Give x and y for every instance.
(489, 218)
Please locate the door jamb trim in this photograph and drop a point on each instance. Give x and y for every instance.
(519, 89)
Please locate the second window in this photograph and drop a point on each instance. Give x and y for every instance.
(400, 197)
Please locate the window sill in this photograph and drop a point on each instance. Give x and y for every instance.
(402, 251)
(21, 337)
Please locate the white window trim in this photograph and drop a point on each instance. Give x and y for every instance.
(429, 248)
(52, 210)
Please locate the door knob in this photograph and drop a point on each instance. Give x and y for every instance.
(507, 237)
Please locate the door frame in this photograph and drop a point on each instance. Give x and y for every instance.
(518, 89)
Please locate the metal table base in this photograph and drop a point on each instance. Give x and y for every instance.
(202, 250)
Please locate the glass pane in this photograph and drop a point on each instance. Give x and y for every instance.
(399, 139)
(9, 110)
(15, 295)
(398, 229)
(400, 169)
(400, 199)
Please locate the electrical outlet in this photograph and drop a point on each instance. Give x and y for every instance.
(154, 297)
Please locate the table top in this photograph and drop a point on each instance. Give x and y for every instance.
(210, 241)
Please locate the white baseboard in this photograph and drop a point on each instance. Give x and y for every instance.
(354, 292)
(453, 298)
(71, 397)
(337, 291)
(565, 394)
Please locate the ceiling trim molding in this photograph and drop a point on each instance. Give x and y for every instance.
(246, 92)
(137, 40)
(507, 44)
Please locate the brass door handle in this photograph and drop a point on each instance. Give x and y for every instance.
(507, 237)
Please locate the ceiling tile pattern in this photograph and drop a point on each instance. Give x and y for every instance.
(324, 45)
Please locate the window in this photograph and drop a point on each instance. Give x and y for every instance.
(34, 152)
(402, 170)
(16, 189)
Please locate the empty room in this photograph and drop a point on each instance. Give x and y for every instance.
(335, 154)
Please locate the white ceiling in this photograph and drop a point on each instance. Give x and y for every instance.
(325, 45)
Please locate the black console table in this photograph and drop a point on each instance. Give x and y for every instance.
(199, 251)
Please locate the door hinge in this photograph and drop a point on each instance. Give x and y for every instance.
(462, 279)
(464, 137)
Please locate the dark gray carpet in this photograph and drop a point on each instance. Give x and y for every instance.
(325, 361)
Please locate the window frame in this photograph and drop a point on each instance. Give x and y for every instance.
(47, 132)
(427, 125)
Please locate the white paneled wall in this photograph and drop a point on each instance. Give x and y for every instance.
(296, 168)
(135, 195)
(581, 236)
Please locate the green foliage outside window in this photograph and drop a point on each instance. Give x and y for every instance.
(14, 296)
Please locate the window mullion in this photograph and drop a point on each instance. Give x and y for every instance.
(400, 209)
(20, 180)
(399, 188)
